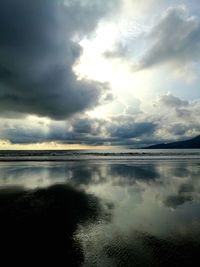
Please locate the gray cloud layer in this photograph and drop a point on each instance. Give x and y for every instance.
(37, 53)
(170, 118)
(79, 130)
(175, 38)
(172, 101)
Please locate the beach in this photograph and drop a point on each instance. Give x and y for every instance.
(102, 210)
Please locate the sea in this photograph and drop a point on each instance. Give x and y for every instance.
(133, 207)
(115, 154)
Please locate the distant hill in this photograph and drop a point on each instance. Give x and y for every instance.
(191, 143)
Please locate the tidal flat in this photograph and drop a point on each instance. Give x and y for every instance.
(105, 213)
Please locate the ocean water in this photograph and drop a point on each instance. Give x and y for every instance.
(109, 209)
(115, 154)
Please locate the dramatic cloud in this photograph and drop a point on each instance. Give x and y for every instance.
(37, 52)
(174, 39)
(132, 129)
(169, 118)
(83, 130)
(177, 118)
(48, 47)
(172, 101)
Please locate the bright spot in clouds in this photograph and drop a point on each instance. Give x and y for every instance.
(123, 81)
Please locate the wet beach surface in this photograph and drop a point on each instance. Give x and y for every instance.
(100, 213)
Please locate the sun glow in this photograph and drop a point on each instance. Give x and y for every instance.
(7, 145)
(125, 83)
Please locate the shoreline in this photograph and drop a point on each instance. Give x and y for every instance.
(101, 159)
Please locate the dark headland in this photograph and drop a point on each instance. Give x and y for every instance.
(191, 143)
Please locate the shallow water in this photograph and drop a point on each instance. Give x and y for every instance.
(114, 154)
(103, 213)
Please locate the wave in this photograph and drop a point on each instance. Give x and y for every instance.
(66, 155)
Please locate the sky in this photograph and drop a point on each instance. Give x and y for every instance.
(77, 74)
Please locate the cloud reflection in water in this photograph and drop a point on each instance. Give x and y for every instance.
(151, 216)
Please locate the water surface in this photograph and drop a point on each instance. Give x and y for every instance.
(102, 212)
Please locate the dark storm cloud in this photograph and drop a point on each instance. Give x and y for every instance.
(37, 53)
(177, 118)
(83, 130)
(133, 130)
(170, 119)
(182, 128)
(176, 38)
(179, 129)
(76, 130)
(88, 126)
(21, 135)
(175, 201)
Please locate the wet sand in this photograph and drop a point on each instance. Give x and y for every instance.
(100, 213)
